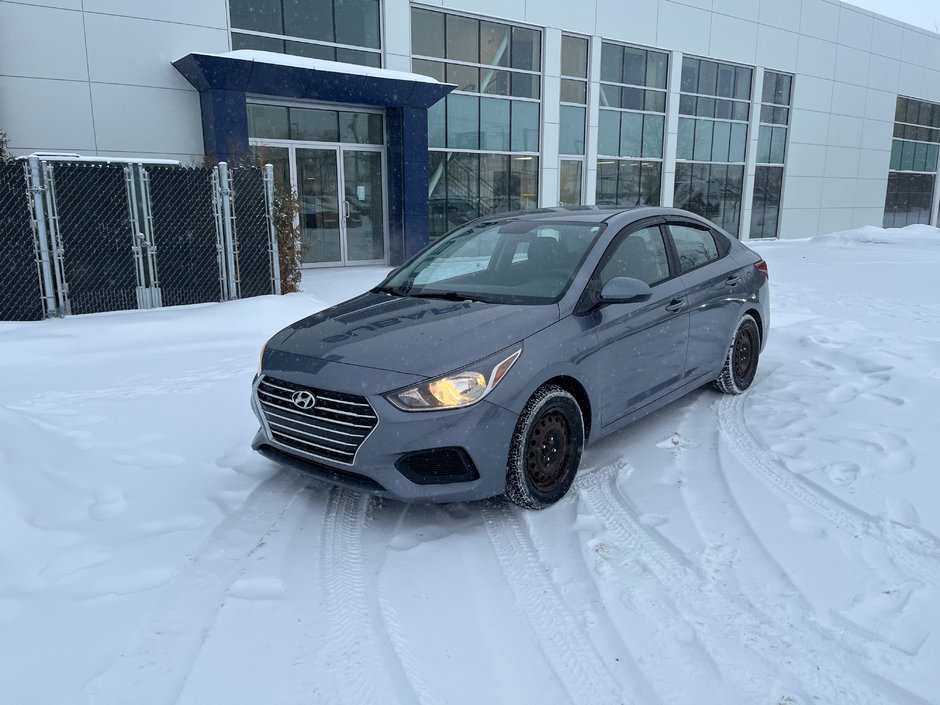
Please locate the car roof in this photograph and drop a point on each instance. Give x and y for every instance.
(588, 214)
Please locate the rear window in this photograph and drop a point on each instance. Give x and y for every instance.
(695, 246)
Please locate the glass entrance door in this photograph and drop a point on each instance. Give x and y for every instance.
(341, 225)
(320, 208)
(365, 205)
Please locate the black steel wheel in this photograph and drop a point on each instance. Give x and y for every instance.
(741, 361)
(546, 449)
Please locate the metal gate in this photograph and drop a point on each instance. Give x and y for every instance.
(185, 234)
(115, 236)
(253, 242)
(20, 279)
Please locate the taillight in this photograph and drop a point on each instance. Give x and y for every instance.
(762, 267)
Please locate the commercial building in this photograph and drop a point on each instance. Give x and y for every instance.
(396, 121)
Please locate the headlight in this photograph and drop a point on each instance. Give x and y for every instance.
(463, 388)
(261, 357)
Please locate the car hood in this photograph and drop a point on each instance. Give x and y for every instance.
(412, 335)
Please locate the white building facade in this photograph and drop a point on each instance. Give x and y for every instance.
(774, 119)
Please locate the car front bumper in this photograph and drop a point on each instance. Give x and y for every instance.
(482, 431)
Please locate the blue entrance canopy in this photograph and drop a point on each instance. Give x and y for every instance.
(225, 80)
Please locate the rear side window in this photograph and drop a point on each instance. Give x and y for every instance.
(694, 246)
(641, 255)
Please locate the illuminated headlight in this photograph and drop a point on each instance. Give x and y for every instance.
(457, 389)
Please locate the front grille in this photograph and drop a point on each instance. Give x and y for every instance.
(333, 428)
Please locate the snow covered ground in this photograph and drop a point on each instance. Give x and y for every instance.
(775, 548)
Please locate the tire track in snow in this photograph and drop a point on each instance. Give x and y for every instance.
(910, 547)
(154, 666)
(574, 659)
(363, 667)
(718, 516)
(731, 631)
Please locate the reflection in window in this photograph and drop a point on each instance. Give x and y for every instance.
(714, 107)
(713, 191)
(628, 183)
(314, 124)
(641, 255)
(569, 193)
(771, 154)
(912, 173)
(319, 29)
(694, 246)
(485, 136)
(631, 125)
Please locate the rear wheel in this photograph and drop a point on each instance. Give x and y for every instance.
(741, 360)
(546, 449)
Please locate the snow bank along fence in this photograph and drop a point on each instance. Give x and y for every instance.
(79, 235)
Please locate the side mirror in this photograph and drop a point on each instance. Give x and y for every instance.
(625, 290)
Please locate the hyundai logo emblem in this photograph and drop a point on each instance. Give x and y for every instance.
(304, 399)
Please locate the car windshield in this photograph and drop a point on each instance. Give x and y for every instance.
(514, 262)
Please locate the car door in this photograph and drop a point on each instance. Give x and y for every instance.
(712, 290)
(641, 346)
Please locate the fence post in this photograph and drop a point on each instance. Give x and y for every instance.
(58, 250)
(219, 236)
(40, 236)
(137, 238)
(150, 245)
(275, 250)
(225, 189)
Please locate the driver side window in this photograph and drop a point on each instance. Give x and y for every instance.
(641, 255)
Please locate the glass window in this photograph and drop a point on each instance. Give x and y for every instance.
(571, 140)
(685, 139)
(463, 39)
(628, 183)
(574, 56)
(493, 82)
(427, 33)
(257, 15)
(311, 51)
(652, 135)
(656, 69)
(361, 128)
(570, 183)
(525, 127)
(713, 191)
(466, 78)
(494, 44)
(611, 63)
(526, 49)
(641, 255)
(694, 246)
(256, 43)
(526, 85)
(634, 66)
(631, 134)
(310, 19)
(573, 91)
(908, 199)
(765, 212)
(314, 125)
(463, 123)
(494, 124)
(437, 124)
(608, 133)
(432, 69)
(268, 121)
(336, 22)
(721, 141)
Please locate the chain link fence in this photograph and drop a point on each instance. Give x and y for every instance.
(116, 236)
(253, 239)
(185, 234)
(20, 282)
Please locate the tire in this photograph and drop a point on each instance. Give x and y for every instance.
(546, 449)
(741, 361)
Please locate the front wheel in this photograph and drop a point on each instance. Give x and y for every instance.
(546, 449)
(741, 360)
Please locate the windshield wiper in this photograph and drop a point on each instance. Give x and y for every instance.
(451, 296)
(390, 290)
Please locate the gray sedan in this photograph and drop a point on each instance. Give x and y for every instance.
(483, 365)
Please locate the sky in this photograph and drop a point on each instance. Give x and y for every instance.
(922, 13)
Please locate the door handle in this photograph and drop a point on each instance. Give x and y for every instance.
(733, 280)
(675, 305)
(346, 210)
